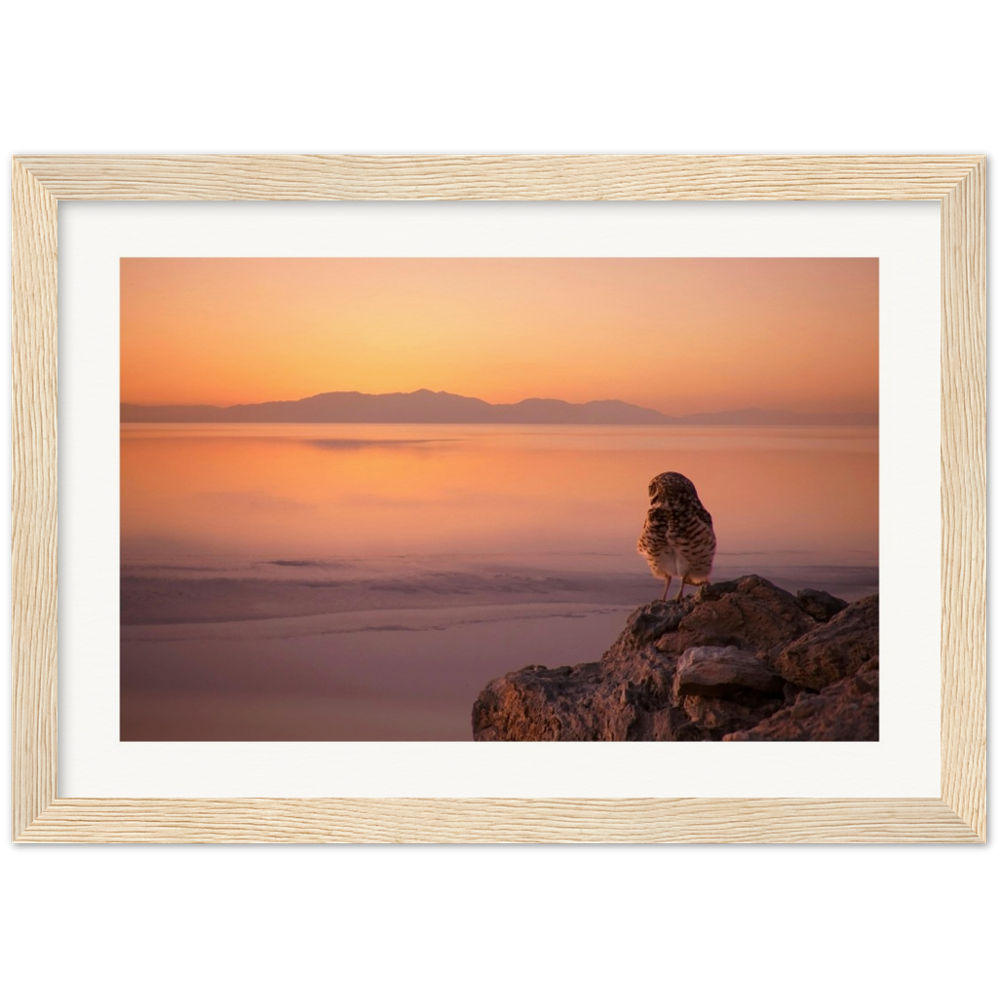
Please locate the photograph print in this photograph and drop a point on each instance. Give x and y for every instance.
(446, 499)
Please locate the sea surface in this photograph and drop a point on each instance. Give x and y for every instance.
(364, 582)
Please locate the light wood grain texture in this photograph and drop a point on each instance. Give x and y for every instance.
(959, 816)
(33, 553)
(963, 499)
(498, 178)
(500, 820)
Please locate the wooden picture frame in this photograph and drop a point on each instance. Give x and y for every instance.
(958, 182)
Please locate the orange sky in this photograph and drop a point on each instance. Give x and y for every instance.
(679, 335)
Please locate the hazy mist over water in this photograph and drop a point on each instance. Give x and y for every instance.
(363, 582)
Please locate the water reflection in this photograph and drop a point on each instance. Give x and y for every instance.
(381, 569)
(312, 491)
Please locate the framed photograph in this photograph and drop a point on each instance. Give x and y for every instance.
(517, 498)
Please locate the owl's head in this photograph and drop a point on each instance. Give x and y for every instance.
(670, 484)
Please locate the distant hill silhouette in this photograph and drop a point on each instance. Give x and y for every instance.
(427, 407)
(756, 417)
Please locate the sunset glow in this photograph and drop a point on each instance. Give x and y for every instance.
(678, 335)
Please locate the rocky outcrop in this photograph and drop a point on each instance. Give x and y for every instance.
(839, 648)
(844, 710)
(741, 660)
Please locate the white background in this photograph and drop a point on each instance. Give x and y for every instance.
(553, 928)
(543, 71)
(904, 236)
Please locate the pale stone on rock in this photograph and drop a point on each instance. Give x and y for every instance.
(715, 671)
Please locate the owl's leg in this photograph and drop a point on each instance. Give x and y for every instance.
(666, 588)
(680, 593)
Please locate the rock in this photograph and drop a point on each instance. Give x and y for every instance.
(834, 650)
(584, 702)
(750, 613)
(717, 671)
(846, 710)
(819, 604)
(540, 704)
(742, 660)
(655, 620)
(716, 717)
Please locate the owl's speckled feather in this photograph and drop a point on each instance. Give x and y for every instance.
(677, 538)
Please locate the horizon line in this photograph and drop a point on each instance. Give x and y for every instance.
(753, 408)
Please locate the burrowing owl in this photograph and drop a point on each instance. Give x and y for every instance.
(677, 538)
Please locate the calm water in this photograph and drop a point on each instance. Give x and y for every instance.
(288, 582)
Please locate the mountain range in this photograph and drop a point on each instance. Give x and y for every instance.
(427, 407)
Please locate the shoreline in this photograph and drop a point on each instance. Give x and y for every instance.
(169, 596)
